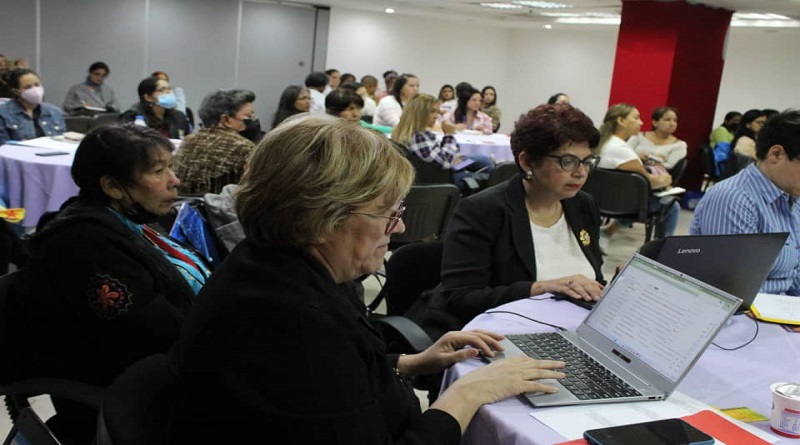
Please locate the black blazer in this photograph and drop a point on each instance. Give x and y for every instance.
(489, 257)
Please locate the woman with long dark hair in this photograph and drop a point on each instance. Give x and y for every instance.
(294, 99)
(468, 114)
(390, 108)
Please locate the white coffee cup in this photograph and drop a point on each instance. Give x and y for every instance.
(785, 416)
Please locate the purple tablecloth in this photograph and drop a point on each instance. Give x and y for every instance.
(36, 183)
(724, 379)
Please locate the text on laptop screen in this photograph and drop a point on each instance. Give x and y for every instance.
(668, 320)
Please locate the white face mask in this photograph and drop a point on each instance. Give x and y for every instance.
(33, 95)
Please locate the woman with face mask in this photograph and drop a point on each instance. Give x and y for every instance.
(157, 105)
(27, 116)
(215, 155)
(106, 289)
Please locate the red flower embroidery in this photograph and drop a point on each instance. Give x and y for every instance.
(108, 296)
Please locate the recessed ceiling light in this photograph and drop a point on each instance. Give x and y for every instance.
(589, 20)
(389, 10)
(541, 5)
(548, 26)
(498, 5)
(580, 14)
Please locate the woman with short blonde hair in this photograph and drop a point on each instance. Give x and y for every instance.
(319, 203)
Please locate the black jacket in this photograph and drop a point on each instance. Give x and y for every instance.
(489, 257)
(174, 120)
(275, 346)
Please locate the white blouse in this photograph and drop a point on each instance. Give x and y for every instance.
(557, 252)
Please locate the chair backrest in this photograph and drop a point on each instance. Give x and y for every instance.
(620, 193)
(426, 172)
(411, 270)
(79, 124)
(105, 119)
(677, 171)
(13, 365)
(137, 406)
(708, 162)
(503, 171)
(428, 211)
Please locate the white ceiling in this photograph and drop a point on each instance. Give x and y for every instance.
(471, 10)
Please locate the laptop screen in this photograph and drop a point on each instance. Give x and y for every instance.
(660, 316)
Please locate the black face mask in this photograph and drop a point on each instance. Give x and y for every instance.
(252, 130)
(138, 214)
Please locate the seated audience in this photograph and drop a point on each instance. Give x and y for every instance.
(620, 123)
(106, 289)
(180, 96)
(468, 114)
(27, 116)
(390, 108)
(659, 146)
(93, 92)
(762, 199)
(414, 132)
(334, 80)
(371, 85)
(369, 105)
(157, 105)
(489, 106)
(316, 82)
(312, 228)
(535, 233)
(558, 98)
(346, 77)
(346, 104)
(726, 131)
(388, 79)
(447, 98)
(744, 143)
(294, 100)
(215, 156)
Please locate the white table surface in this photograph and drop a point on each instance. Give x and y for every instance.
(36, 183)
(724, 379)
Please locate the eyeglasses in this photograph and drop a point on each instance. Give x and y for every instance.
(569, 163)
(394, 219)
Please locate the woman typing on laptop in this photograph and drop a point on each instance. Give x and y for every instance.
(279, 338)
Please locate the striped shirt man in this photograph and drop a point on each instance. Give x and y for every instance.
(750, 202)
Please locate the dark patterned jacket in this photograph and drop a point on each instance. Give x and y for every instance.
(210, 159)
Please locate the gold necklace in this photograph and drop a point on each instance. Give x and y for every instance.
(547, 220)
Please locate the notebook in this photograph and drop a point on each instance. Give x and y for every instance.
(737, 264)
(646, 333)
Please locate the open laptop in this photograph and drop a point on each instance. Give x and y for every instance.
(737, 263)
(647, 331)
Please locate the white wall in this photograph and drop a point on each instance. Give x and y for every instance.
(527, 66)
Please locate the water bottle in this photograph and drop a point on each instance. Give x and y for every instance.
(140, 121)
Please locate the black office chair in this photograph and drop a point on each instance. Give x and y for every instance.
(677, 171)
(137, 406)
(626, 195)
(502, 172)
(429, 172)
(736, 162)
(428, 211)
(79, 124)
(710, 169)
(16, 383)
(109, 118)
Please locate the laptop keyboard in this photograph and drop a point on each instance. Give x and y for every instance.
(586, 378)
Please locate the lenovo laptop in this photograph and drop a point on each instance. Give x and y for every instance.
(638, 342)
(737, 264)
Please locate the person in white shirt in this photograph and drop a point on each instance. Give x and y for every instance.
(447, 99)
(316, 82)
(333, 80)
(390, 108)
(368, 111)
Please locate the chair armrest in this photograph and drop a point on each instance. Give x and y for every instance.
(84, 393)
(395, 327)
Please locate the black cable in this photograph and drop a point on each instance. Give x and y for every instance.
(741, 346)
(527, 318)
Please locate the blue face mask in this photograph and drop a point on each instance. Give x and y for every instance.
(167, 101)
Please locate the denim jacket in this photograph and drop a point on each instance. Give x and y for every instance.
(16, 125)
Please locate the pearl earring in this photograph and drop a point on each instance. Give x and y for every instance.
(528, 174)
